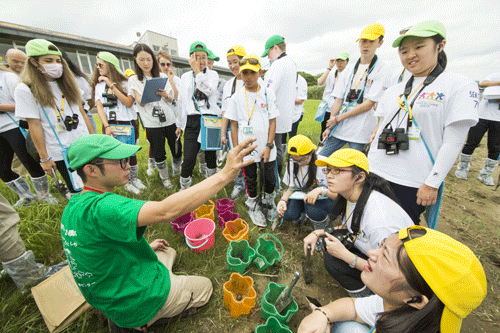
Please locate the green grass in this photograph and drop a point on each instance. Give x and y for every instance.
(40, 230)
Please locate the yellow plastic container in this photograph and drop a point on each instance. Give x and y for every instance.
(239, 294)
(205, 211)
(236, 230)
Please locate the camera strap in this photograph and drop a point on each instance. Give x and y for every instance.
(58, 115)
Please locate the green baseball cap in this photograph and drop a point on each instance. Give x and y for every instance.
(423, 29)
(111, 58)
(198, 46)
(342, 56)
(212, 56)
(273, 40)
(88, 147)
(40, 47)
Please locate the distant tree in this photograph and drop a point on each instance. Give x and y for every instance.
(311, 81)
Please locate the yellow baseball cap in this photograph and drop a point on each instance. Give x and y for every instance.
(344, 158)
(372, 32)
(251, 62)
(129, 72)
(236, 50)
(300, 145)
(451, 270)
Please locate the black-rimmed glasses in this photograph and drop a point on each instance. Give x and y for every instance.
(123, 162)
(334, 171)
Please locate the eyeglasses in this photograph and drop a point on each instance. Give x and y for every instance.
(163, 64)
(251, 61)
(123, 162)
(334, 171)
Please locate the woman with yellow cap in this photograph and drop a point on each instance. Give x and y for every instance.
(306, 194)
(423, 121)
(114, 106)
(423, 280)
(368, 213)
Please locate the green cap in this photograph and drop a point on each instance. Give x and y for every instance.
(198, 46)
(111, 58)
(40, 47)
(342, 56)
(423, 29)
(212, 56)
(88, 147)
(273, 40)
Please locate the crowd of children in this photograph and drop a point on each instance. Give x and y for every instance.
(403, 139)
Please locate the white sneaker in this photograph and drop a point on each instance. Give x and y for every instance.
(167, 183)
(131, 188)
(138, 184)
(255, 212)
(237, 192)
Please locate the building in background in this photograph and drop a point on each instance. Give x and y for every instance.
(159, 42)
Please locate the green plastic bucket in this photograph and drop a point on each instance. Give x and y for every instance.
(267, 304)
(239, 256)
(266, 253)
(272, 325)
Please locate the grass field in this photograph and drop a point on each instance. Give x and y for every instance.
(39, 229)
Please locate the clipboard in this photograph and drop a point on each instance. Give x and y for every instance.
(151, 88)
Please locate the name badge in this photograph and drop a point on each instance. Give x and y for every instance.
(413, 133)
(247, 130)
(60, 127)
(201, 103)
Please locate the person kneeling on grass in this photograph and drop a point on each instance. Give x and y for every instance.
(117, 271)
(424, 281)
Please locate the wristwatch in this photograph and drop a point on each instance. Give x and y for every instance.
(353, 263)
(270, 145)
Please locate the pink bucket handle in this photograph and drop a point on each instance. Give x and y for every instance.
(197, 247)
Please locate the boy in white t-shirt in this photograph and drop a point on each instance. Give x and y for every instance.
(356, 93)
(253, 113)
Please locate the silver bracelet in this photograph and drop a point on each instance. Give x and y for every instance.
(46, 159)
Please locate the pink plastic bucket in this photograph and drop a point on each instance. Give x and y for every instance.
(224, 204)
(200, 234)
(227, 216)
(182, 222)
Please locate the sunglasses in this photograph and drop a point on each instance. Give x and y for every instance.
(165, 64)
(335, 171)
(123, 162)
(251, 61)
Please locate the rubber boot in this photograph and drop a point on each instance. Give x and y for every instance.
(486, 172)
(151, 166)
(41, 185)
(255, 212)
(239, 187)
(463, 166)
(211, 172)
(21, 187)
(268, 200)
(202, 168)
(134, 171)
(360, 293)
(176, 166)
(163, 171)
(185, 182)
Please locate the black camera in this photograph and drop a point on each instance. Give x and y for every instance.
(198, 95)
(71, 123)
(158, 112)
(343, 235)
(393, 141)
(353, 95)
(111, 100)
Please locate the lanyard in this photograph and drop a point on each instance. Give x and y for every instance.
(250, 114)
(361, 79)
(368, 70)
(91, 189)
(60, 111)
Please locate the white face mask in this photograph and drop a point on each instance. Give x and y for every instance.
(54, 71)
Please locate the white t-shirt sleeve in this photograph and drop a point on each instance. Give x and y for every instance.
(464, 104)
(232, 109)
(26, 105)
(226, 94)
(340, 86)
(272, 105)
(369, 308)
(99, 90)
(11, 81)
(302, 88)
(288, 171)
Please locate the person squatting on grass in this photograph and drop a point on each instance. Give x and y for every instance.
(114, 106)
(50, 100)
(423, 280)
(303, 177)
(116, 269)
(432, 111)
(369, 214)
(253, 113)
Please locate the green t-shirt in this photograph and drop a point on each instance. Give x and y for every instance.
(111, 261)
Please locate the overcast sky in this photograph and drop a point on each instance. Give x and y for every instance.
(314, 31)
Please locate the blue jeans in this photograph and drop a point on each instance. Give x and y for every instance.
(333, 144)
(316, 212)
(92, 120)
(349, 327)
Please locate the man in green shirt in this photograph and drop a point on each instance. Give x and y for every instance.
(117, 271)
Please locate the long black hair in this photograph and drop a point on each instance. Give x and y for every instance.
(372, 182)
(311, 172)
(155, 70)
(408, 319)
(442, 58)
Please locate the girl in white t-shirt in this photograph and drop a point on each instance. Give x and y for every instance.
(50, 100)
(433, 111)
(114, 106)
(369, 214)
(423, 280)
(308, 183)
(158, 118)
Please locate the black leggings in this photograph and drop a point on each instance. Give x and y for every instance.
(133, 159)
(156, 138)
(349, 278)
(250, 174)
(476, 134)
(323, 125)
(407, 197)
(13, 141)
(192, 147)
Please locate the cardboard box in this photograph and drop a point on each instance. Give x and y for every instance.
(59, 300)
